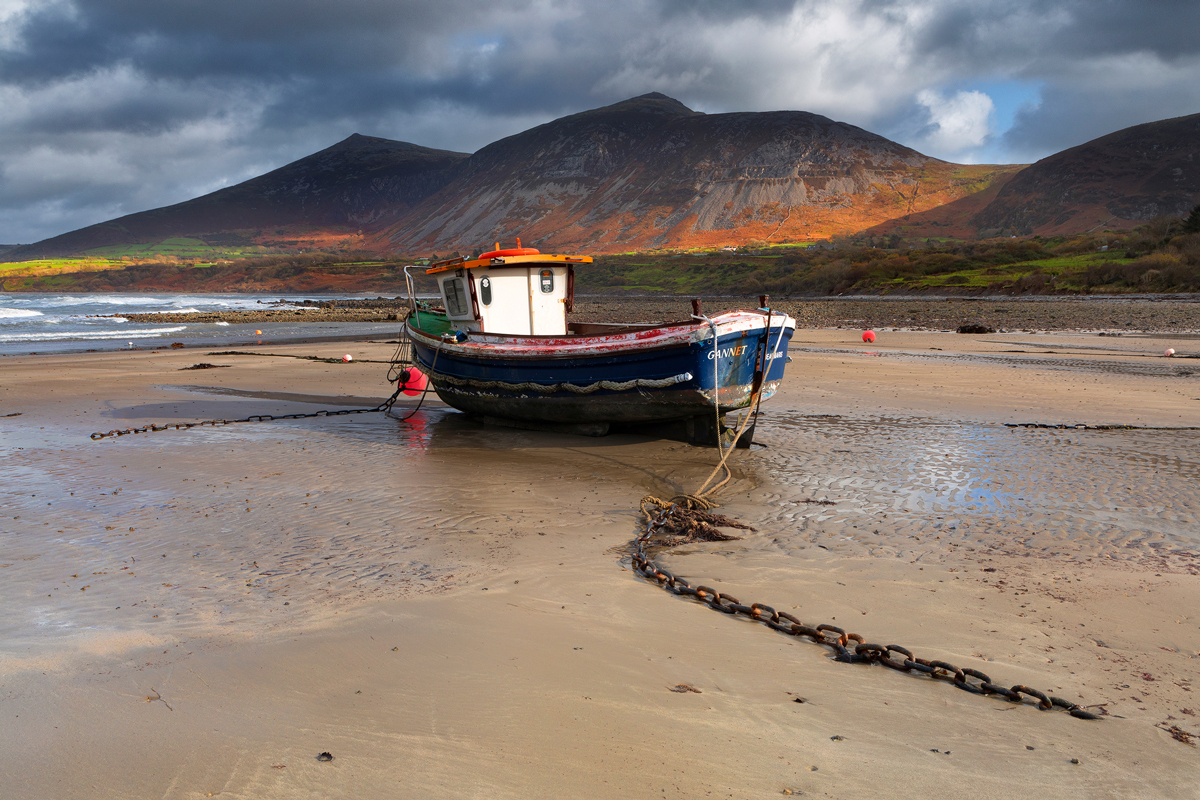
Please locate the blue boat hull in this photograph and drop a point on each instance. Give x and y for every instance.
(661, 378)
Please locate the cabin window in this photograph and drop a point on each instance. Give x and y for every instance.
(547, 281)
(456, 298)
(485, 290)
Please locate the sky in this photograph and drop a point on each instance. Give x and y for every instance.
(108, 107)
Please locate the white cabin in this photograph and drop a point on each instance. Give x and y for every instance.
(519, 292)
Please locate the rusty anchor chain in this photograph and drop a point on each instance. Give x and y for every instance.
(179, 426)
(666, 516)
(396, 374)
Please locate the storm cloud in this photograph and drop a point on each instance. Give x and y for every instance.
(108, 107)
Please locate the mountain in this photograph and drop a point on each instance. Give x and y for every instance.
(1117, 181)
(954, 220)
(649, 172)
(337, 191)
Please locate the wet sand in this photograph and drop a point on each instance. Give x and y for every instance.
(447, 608)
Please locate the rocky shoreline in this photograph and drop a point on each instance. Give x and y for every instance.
(1144, 314)
(1175, 315)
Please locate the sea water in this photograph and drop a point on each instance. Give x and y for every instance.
(57, 323)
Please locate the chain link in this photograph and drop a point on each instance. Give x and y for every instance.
(179, 426)
(400, 362)
(662, 517)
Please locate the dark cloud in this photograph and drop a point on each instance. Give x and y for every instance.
(1072, 116)
(262, 40)
(113, 106)
(725, 10)
(1164, 28)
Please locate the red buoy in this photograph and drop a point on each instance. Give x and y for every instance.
(413, 381)
(868, 336)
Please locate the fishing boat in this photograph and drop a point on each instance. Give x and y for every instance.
(501, 347)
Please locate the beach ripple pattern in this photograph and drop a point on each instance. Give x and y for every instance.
(235, 531)
(921, 489)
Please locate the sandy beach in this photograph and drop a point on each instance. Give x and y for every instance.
(447, 609)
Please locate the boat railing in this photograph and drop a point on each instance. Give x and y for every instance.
(603, 328)
(412, 291)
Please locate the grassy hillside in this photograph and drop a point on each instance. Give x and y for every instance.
(302, 273)
(1154, 258)
(178, 248)
(166, 256)
(1162, 256)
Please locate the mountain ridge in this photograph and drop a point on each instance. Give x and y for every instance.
(649, 172)
(1121, 179)
(346, 185)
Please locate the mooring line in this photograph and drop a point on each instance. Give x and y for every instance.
(386, 405)
(670, 519)
(401, 362)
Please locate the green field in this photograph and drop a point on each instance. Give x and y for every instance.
(1143, 260)
(182, 248)
(1140, 261)
(55, 265)
(1058, 270)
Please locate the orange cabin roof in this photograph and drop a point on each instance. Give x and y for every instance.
(507, 261)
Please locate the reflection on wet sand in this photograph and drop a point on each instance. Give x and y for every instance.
(251, 527)
(921, 488)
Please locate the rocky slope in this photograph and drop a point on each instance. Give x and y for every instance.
(649, 172)
(1117, 181)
